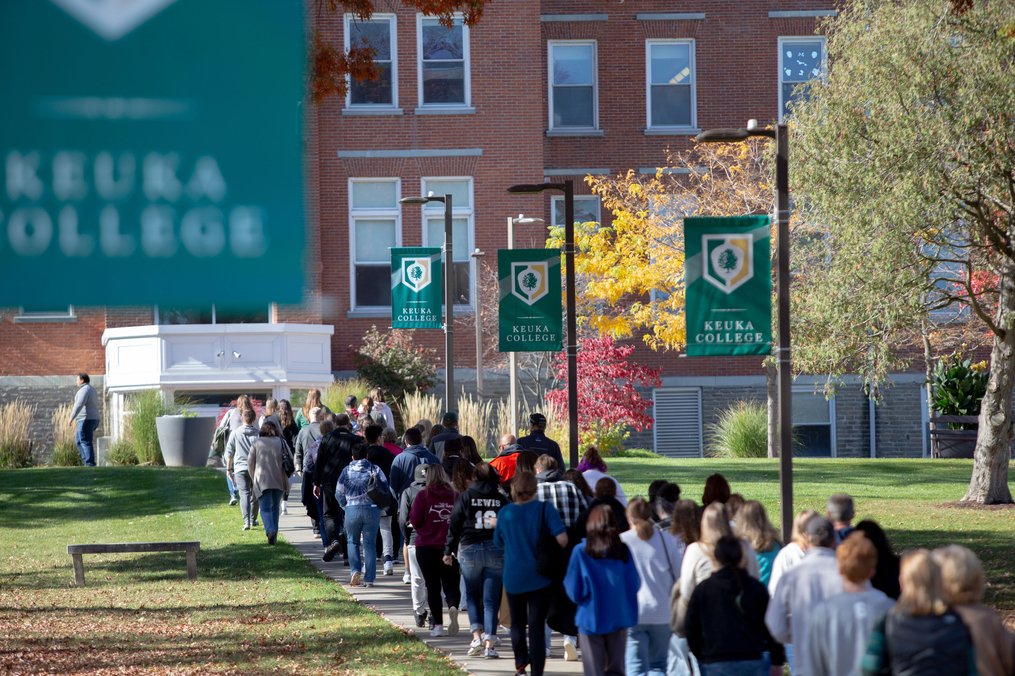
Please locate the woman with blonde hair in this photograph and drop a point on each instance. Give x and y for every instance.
(313, 401)
(658, 562)
(699, 560)
(793, 552)
(752, 524)
(921, 634)
(270, 413)
(424, 426)
(962, 581)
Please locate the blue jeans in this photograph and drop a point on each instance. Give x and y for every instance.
(363, 520)
(647, 648)
(320, 523)
(740, 668)
(83, 439)
(270, 504)
(483, 570)
(233, 491)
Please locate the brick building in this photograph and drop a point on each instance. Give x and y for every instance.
(550, 90)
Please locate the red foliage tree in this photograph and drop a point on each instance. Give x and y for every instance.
(607, 394)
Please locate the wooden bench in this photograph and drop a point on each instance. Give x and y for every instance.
(943, 438)
(133, 548)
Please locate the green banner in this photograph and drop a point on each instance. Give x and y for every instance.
(728, 277)
(530, 316)
(416, 288)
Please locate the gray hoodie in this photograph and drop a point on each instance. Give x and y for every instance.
(238, 447)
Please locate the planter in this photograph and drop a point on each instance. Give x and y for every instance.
(185, 441)
(957, 448)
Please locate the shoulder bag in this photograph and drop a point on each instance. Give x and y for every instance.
(288, 464)
(376, 492)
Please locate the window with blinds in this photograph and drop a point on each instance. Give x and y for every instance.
(677, 428)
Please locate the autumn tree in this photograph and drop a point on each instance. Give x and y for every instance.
(907, 155)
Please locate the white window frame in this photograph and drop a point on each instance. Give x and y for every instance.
(394, 65)
(550, 44)
(467, 53)
(371, 213)
(809, 389)
(648, 83)
(789, 40)
(436, 210)
(45, 316)
(271, 318)
(555, 199)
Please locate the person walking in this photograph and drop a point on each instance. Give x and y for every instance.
(840, 510)
(886, 577)
(792, 553)
(287, 423)
(537, 441)
(237, 468)
(333, 455)
(658, 562)
(390, 440)
(85, 414)
(593, 469)
(841, 624)
(436, 443)
(231, 421)
(270, 414)
(470, 536)
(717, 489)
(507, 457)
(414, 454)
(921, 634)
(603, 580)
(265, 465)
(962, 582)
(430, 517)
(519, 528)
(605, 495)
(725, 623)
(378, 407)
(315, 505)
(381, 457)
(313, 401)
(362, 516)
(413, 574)
(752, 524)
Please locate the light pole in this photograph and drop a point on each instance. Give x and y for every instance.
(513, 356)
(781, 136)
(567, 187)
(478, 255)
(449, 295)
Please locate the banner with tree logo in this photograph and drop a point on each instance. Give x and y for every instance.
(530, 310)
(728, 278)
(416, 285)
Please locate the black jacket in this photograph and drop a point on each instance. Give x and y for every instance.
(726, 619)
(382, 457)
(470, 517)
(540, 444)
(437, 443)
(926, 645)
(333, 455)
(618, 513)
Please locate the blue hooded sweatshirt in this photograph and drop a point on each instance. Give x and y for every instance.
(605, 590)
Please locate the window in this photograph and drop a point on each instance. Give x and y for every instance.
(671, 95)
(212, 314)
(379, 33)
(374, 227)
(443, 63)
(573, 76)
(462, 228)
(800, 60)
(40, 316)
(586, 209)
(813, 424)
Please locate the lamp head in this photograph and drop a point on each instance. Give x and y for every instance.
(722, 136)
(528, 188)
(413, 200)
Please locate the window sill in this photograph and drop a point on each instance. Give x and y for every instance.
(663, 131)
(368, 314)
(363, 112)
(574, 132)
(69, 319)
(446, 110)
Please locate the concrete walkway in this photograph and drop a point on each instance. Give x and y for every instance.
(390, 599)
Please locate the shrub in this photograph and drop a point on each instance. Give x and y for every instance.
(139, 426)
(334, 396)
(959, 387)
(474, 420)
(15, 423)
(122, 453)
(417, 406)
(392, 361)
(742, 432)
(65, 449)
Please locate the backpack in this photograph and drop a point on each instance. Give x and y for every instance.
(218, 442)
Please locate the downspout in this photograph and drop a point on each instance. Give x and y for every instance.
(871, 408)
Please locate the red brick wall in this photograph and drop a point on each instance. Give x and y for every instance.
(52, 349)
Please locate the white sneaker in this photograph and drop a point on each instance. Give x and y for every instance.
(406, 579)
(389, 568)
(284, 510)
(453, 624)
(475, 648)
(570, 650)
(490, 654)
(438, 630)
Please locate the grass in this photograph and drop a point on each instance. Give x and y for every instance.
(902, 495)
(254, 609)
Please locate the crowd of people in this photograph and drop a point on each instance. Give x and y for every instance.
(643, 586)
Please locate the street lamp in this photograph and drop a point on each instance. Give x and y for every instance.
(513, 356)
(567, 187)
(781, 136)
(449, 295)
(477, 254)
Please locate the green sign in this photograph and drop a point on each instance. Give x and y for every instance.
(416, 288)
(530, 317)
(728, 277)
(150, 152)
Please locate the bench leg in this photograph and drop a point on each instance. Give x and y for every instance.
(192, 565)
(79, 569)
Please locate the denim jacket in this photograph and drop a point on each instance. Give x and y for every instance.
(352, 484)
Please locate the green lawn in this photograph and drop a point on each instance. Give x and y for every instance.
(253, 608)
(901, 495)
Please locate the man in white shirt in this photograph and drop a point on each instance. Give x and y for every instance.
(803, 587)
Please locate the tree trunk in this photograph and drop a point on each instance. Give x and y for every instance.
(989, 483)
(771, 375)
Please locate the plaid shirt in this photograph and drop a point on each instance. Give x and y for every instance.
(565, 497)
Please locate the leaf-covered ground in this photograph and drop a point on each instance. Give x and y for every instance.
(253, 609)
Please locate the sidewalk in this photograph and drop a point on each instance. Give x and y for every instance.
(390, 599)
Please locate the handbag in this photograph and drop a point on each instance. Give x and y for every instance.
(376, 492)
(288, 464)
(551, 558)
